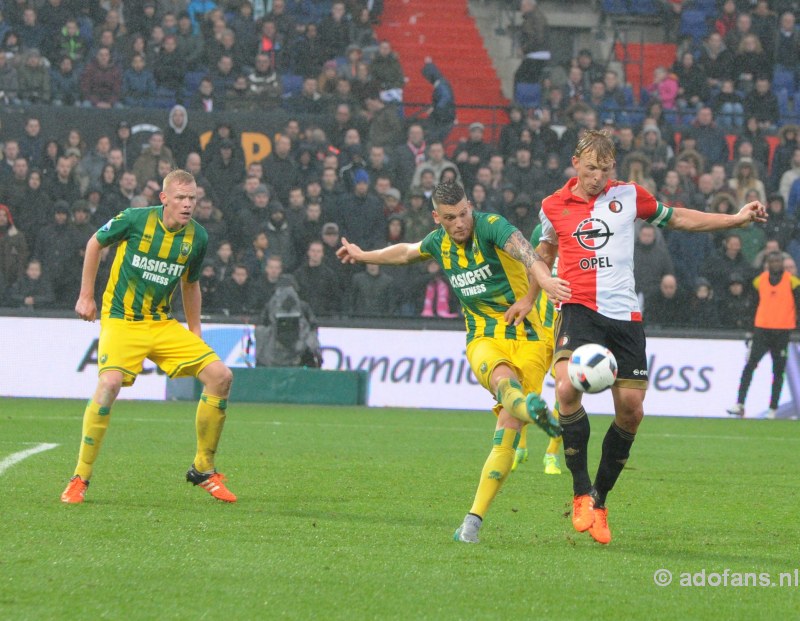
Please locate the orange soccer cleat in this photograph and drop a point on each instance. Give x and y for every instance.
(213, 483)
(582, 512)
(75, 492)
(599, 529)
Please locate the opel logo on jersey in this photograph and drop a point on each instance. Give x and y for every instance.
(615, 206)
(592, 234)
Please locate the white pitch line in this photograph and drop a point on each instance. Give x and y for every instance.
(15, 458)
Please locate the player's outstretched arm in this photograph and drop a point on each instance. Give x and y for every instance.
(691, 220)
(86, 307)
(398, 254)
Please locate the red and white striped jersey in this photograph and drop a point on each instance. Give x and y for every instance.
(595, 242)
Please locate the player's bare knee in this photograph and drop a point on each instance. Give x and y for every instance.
(227, 379)
(629, 416)
(217, 378)
(506, 421)
(108, 387)
(568, 398)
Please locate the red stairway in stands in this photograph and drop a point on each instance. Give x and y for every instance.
(445, 31)
(639, 61)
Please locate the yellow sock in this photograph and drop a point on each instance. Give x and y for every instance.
(495, 470)
(509, 393)
(523, 437)
(95, 425)
(209, 422)
(555, 443)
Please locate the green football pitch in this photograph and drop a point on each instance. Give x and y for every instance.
(349, 513)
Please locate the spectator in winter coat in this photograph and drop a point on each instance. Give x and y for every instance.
(334, 31)
(387, 72)
(280, 170)
(34, 79)
(101, 81)
(736, 306)
(64, 86)
(33, 290)
(264, 83)
(651, 261)
(146, 165)
(55, 246)
(169, 66)
(703, 311)
(718, 268)
(372, 293)
(362, 214)
(234, 292)
(667, 306)
(385, 127)
(664, 87)
(138, 84)
(9, 81)
(70, 43)
(318, 284)
(179, 137)
(711, 141)
(442, 112)
(534, 43)
(13, 249)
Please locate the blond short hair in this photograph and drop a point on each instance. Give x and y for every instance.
(599, 141)
(177, 176)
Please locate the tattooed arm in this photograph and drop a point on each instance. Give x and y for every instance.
(519, 248)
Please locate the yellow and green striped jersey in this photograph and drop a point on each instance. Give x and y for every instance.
(149, 263)
(546, 309)
(485, 279)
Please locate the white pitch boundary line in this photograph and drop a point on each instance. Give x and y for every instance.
(15, 458)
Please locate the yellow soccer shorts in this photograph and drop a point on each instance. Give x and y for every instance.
(529, 359)
(125, 344)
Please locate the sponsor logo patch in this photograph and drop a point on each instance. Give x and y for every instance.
(592, 234)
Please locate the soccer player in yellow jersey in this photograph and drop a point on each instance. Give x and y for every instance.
(547, 315)
(489, 265)
(159, 248)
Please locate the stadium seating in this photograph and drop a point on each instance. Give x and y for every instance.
(643, 7)
(445, 31)
(639, 61)
(164, 98)
(694, 24)
(783, 81)
(616, 7)
(528, 94)
(191, 82)
(708, 7)
(291, 84)
(625, 8)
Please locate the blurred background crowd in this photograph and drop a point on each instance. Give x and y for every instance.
(712, 131)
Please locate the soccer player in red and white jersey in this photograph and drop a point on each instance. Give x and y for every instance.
(589, 223)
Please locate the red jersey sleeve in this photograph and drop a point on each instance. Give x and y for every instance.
(646, 203)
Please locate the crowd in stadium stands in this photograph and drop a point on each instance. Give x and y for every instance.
(366, 172)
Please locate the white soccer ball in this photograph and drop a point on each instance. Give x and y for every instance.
(592, 368)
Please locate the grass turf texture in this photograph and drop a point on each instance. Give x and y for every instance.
(348, 513)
